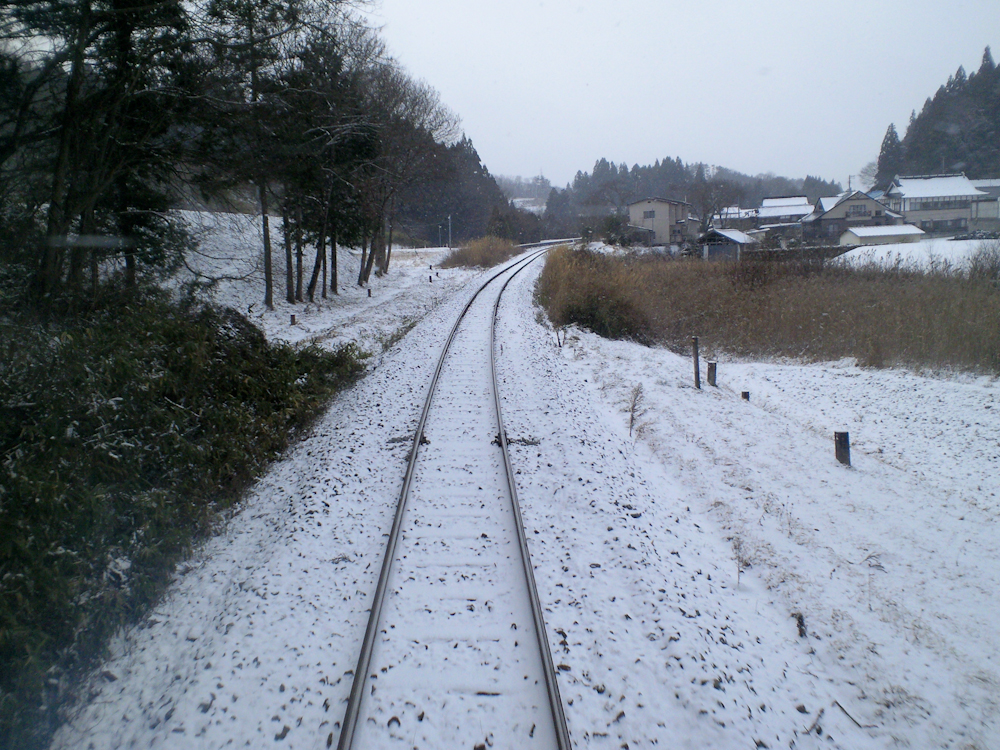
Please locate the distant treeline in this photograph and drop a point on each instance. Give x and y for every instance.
(958, 130)
(610, 188)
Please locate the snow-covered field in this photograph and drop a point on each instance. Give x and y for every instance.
(714, 579)
(937, 253)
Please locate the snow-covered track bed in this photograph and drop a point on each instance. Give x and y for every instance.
(455, 653)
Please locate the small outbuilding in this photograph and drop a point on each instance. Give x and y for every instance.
(725, 244)
(886, 235)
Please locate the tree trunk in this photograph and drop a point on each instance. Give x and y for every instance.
(364, 260)
(78, 255)
(324, 268)
(317, 266)
(289, 278)
(266, 227)
(298, 253)
(333, 261)
(388, 247)
(58, 219)
(320, 260)
(372, 251)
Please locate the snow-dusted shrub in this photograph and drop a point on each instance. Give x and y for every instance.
(123, 433)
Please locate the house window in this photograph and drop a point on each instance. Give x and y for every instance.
(649, 214)
(858, 209)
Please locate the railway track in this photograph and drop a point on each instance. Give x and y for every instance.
(455, 653)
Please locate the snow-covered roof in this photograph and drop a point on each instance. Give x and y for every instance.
(825, 204)
(654, 199)
(735, 212)
(786, 200)
(985, 183)
(770, 212)
(899, 230)
(741, 238)
(934, 186)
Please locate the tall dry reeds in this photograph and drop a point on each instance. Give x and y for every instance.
(485, 252)
(880, 315)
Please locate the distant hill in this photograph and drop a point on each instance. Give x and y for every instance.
(958, 130)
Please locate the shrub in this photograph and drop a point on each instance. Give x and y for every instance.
(484, 253)
(881, 315)
(123, 434)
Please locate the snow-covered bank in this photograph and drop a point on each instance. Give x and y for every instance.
(231, 253)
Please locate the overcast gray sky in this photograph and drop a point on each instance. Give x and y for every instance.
(792, 87)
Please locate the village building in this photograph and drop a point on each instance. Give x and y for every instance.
(986, 209)
(789, 209)
(725, 244)
(884, 235)
(668, 222)
(734, 217)
(835, 215)
(938, 204)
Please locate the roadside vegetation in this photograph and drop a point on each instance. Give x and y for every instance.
(126, 432)
(882, 315)
(485, 252)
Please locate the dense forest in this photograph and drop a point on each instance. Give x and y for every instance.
(608, 189)
(958, 130)
(112, 112)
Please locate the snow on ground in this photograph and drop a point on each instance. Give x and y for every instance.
(891, 563)
(231, 252)
(715, 579)
(938, 253)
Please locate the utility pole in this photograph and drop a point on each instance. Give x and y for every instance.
(439, 235)
(449, 231)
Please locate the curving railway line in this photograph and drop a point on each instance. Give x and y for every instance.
(455, 652)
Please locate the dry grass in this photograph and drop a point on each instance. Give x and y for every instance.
(883, 316)
(485, 252)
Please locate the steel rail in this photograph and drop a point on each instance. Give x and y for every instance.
(548, 668)
(353, 710)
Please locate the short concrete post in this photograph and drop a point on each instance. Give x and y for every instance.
(293, 321)
(711, 373)
(745, 395)
(430, 279)
(369, 292)
(842, 446)
(694, 354)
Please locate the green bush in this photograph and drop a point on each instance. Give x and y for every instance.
(123, 433)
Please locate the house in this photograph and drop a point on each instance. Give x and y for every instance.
(986, 209)
(782, 216)
(789, 209)
(669, 221)
(939, 203)
(734, 217)
(835, 215)
(883, 235)
(724, 244)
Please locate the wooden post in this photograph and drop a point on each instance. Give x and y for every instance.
(697, 372)
(711, 373)
(746, 395)
(842, 446)
(430, 279)
(293, 321)
(369, 292)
